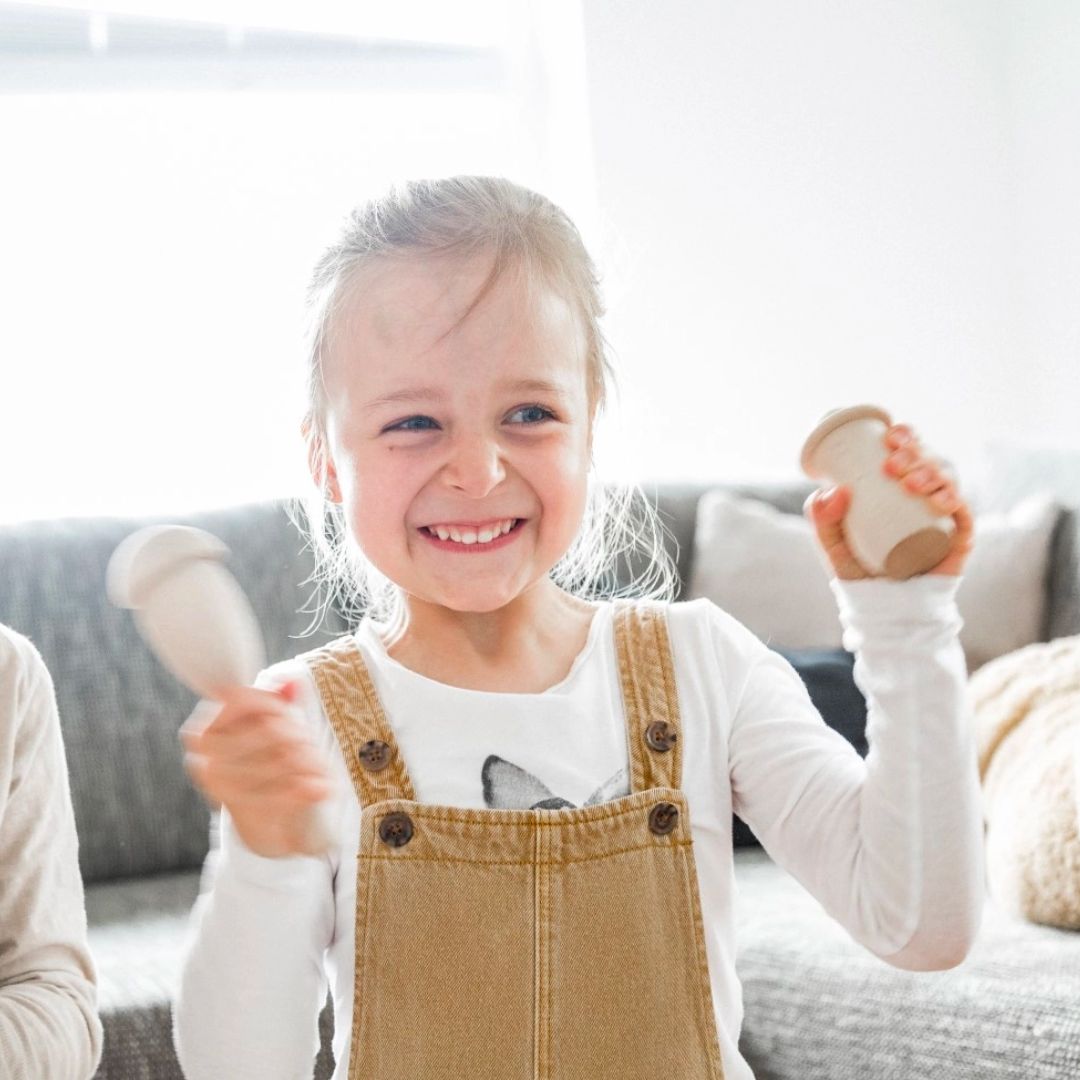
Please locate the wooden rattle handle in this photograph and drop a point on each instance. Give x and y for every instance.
(196, 618)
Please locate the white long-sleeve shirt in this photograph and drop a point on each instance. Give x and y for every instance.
(49, 1026)
(891, 845)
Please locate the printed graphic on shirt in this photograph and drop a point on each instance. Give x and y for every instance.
(509, 786)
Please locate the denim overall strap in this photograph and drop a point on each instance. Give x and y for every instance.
(650, 697)
(528, 944)
(356, 714)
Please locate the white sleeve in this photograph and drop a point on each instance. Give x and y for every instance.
(252, 982)
(49, 1025)
(891, 846)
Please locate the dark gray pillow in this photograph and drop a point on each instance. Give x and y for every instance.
(830, 681)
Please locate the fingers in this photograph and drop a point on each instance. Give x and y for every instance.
(826, 509)
(965, 528)
(251, 746)
(931, 477)
(932, 482)
(244, 735)
(201, 717)
(233, 764)
(280, 772)
(899, 435)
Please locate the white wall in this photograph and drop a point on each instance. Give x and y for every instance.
(811, 205)
(1044, 81)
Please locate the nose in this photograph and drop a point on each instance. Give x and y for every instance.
(475, 465)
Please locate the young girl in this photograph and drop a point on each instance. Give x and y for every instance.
(530, 781)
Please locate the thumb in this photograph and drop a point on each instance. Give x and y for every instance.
(289, 691)
(826, 509)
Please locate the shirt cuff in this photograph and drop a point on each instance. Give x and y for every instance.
(886, 602)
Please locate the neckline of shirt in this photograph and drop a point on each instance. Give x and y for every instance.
(600, 620)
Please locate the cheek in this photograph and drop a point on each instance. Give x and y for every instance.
(377, 498)
(573, 465)
(565, 487)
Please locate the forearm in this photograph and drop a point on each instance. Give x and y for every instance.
(49, 1027)
(252, 981)
(918, 877)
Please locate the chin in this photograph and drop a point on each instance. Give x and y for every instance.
(473, 599)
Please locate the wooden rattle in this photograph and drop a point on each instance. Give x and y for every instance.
(892, 532)
(194, 615)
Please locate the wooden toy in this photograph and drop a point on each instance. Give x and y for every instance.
(194, 615)
(891, 532)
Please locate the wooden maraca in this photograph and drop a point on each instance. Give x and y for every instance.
(892, 532)
(194, 615)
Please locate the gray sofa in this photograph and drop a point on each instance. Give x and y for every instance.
(817, 1006)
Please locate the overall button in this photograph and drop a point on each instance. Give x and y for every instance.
(374, 755)
(396, 829)
(663, 818)
(660, 736)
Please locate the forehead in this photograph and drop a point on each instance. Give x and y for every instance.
(410, 316)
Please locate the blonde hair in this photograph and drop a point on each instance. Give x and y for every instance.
(462, 216)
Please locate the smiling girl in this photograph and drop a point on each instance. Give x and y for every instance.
(531, 774)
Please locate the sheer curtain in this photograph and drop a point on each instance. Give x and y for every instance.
(172, 171)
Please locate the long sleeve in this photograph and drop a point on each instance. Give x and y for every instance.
(49, 1026)
(891, 846)
(252, 980)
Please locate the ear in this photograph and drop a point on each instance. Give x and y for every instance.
(321, 463)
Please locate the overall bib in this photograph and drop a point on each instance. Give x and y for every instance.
(542, 944)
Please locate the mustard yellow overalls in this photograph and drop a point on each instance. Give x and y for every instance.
(543, 944)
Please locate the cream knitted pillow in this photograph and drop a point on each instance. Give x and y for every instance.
(1026, 711)
(765, 568)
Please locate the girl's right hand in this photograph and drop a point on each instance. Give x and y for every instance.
(250, 753)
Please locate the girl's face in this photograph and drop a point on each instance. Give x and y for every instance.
(435, 424)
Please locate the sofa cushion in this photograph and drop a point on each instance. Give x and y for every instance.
(120, 710)
(819, 1006)
(1008, 472)
(766, 569)
(677, 504)
(137, 930)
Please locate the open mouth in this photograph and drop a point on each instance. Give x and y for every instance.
(477, 544)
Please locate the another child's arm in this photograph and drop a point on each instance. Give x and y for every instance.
(252, 982)
(892, 846)
(49, 1026)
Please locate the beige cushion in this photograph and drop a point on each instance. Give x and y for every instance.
(766, 569)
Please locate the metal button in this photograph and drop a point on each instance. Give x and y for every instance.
(663, 818)
(374, 755)
(396, 829)
(660, 736)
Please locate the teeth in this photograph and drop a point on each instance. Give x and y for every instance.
(470, 537)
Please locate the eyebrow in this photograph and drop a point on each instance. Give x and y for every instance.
(431, 393)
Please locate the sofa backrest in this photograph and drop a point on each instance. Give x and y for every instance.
(120, 710)
(136, 811)
(677, 505)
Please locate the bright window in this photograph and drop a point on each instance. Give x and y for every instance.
(172, 172)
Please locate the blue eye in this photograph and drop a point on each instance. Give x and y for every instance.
(401, 426)
(547, 415)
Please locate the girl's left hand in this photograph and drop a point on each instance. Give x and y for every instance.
(917, 474)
